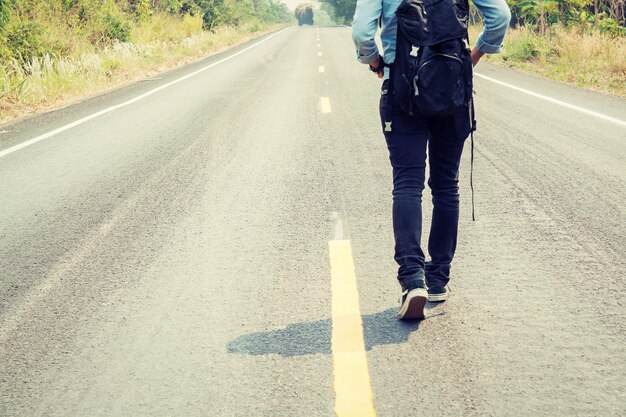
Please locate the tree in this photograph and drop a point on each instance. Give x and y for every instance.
(341, 11)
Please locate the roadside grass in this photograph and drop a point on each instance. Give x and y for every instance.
(161, 43)
(575, 56)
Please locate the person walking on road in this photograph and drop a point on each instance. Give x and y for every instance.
(408, 137)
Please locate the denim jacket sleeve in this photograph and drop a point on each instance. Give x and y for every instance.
(496, 15)
(364, 27)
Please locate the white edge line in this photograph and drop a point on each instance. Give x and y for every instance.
(131, 101)
(555, 101)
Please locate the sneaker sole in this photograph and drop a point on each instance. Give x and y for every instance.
(413, 306)
(435, 298)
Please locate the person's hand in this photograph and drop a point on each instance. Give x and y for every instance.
(379, 69)
(476, 55)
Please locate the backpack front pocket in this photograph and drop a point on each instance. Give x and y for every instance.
(439, 85)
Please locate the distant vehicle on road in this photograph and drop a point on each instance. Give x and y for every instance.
(304, 14)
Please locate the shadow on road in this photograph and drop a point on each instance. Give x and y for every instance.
(314, 337)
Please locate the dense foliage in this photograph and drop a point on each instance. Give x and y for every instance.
(304, 13)
(607, 16)
(35, 28)
(341, 11)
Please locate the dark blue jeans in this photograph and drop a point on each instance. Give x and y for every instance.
(407, 142)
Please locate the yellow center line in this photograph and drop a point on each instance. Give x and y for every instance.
(325, 104)
(351, 378)
(321, 68)
(319, 54)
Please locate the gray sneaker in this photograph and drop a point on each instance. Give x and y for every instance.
(438, 293)
(412, 301)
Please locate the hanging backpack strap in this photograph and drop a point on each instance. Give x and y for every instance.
(473, 122)
(472, 127)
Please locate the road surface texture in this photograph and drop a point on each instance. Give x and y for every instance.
(171, 256)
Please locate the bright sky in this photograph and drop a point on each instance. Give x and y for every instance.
(291, 4)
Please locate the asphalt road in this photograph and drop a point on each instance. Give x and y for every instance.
(170, 257)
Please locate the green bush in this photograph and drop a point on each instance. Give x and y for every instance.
(25, 41)
(524, 50)
(611, 27)
(5, 13)
(115, 29)
(214, 13)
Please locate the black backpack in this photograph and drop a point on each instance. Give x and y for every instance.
(432, 72)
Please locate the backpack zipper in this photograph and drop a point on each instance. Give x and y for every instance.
(417, 92)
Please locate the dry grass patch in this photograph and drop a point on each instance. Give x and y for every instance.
(583, 58)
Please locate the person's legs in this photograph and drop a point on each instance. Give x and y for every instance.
(444, 152)
(407, 152)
